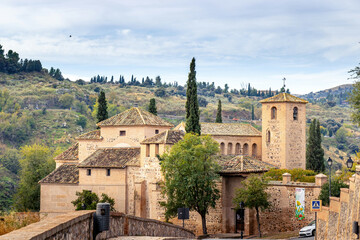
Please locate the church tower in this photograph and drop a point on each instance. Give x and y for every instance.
(284, 131)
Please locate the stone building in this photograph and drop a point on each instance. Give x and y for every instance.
(120, 159)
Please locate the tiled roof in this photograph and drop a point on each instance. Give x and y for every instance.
(93, 135)
(241, 164)
(283, 97)
(134, 117)
(70, 154)
(112, 158)
(233, 129)
(65, 174)
(166, 137)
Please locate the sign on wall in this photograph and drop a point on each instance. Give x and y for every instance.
(300, 203)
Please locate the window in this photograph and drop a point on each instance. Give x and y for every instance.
(237, 149)
(254, 150)
(273, 113)
(222, 148)
(147, 150)
(156, 149)
(229, 152)
(122, 133)
(88, 172)
(108, 172)
(246, 149)
(268, 136)
(295, 113)
(156, 131)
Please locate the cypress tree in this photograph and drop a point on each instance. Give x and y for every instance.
(192, 104)
(102, 113)
(252, 113)
(218, 115)
(152, 107)
(314, 151)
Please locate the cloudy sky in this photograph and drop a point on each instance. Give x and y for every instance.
(313, 44)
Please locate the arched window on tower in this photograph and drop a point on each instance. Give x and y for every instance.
(268, 136)
(254, 150)
(295, 113)
(222, 148)
(273, 112)
(246, 149)
(229, 150)
(237, 149)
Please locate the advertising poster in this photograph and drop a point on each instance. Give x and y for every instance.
(300, 203)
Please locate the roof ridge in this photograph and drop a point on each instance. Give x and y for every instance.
(166, 136)
(142, 118)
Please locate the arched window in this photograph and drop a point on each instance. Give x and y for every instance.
(295, 113)
(237, 148)
(222, 148)
(268, 136)
(246, 149)
(254, 150)
(148, 150)
(156, 149)
(229, 150)
(273, 112)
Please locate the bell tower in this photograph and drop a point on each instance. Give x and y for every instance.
(284, 131)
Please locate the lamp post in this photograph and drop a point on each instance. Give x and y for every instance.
(329, 163)
(349, 164)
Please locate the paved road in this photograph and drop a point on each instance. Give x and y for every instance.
(303, 238)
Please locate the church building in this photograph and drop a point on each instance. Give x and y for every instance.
(120, 160)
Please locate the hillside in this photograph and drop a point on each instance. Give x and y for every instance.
(37, 108)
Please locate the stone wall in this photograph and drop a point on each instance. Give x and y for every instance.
(336, 221)
(79, 225)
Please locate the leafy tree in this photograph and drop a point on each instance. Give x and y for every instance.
(218, 114)
(81, 121)
(192, 104)
(354, 96)
(36, 162)
(336, 184)
(340, 136)
(190, 176)
(152, 106)
(253, 195)
(314, 150)
(160, 92)
(87, 200)
(202, 102)
(252, 113)
(10, 160)
(66, 100)
(102, 113)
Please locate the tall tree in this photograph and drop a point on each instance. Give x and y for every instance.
(253, 195)
(192, 104)
(314, 151)
(152, 107)
(354, 96)
(218, 114)
(36, 162)
(192, 157)
(252, 113)
(102, 113)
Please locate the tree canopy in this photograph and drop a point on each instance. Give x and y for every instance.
(218, 114)
(192, 104)
(335, 190)
(87, 200)
(253, 195)
(102, 113)
(314, 150)
(190, 176)
(152, 107)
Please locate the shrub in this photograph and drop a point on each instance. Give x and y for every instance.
(87, 200)
(297, 174)
(336, 184)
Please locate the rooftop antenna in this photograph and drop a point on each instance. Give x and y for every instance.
(284, 79)
(283, 87)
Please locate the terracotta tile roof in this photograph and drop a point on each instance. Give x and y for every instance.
(241, 164)
(112, 158)
(70, 154)
(233, 129)
(93, 135)
(65, 174)
(283, 97)
(166, 137)
(134, 117)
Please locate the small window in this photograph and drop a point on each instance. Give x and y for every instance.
(147, 150)
(122, 133)
(156, 149)
(273, 113)
(254, 150)
(222, 148)
(246, 149)
(229, 152)
(88, 172)
(268, 136)
(108, 172)
(295, 113)
(156, 131)
(237, 148)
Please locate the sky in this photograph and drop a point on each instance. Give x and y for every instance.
(313, 44)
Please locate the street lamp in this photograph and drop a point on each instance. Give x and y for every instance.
(349, 164)
(329, 163)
